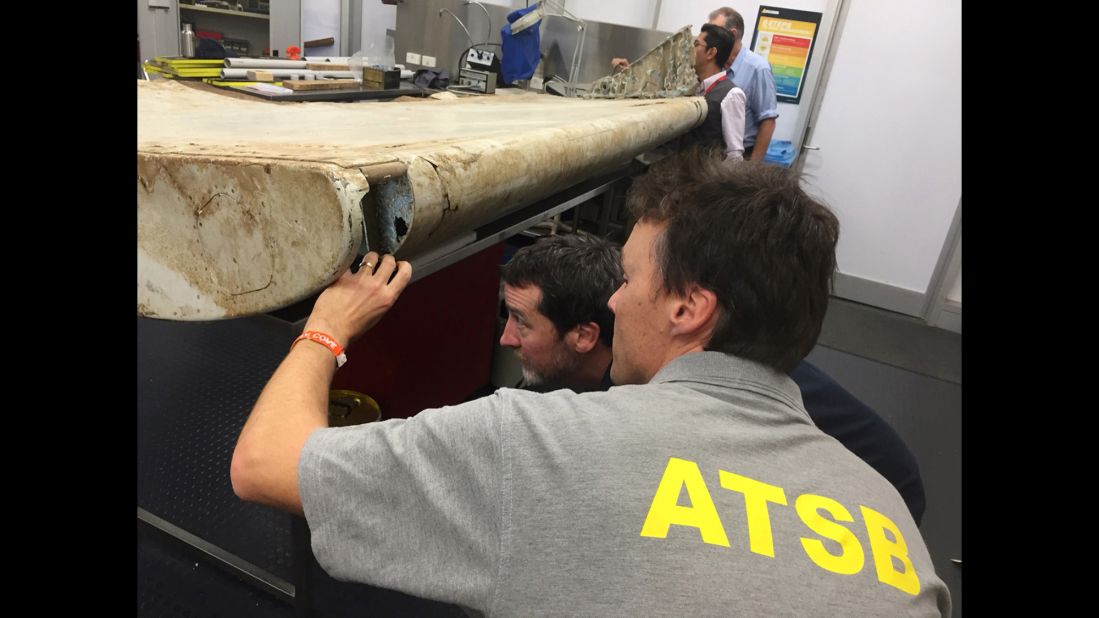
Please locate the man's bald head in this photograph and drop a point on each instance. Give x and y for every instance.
(729, 19)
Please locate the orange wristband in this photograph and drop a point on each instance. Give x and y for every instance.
(325, 340)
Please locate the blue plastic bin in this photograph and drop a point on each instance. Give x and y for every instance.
(780, 152)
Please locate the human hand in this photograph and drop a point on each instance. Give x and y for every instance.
(355, 302)
(620, 63)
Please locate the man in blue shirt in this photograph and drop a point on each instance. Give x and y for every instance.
(752, 74)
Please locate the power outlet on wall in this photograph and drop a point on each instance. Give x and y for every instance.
(412, 58)
(428, 61)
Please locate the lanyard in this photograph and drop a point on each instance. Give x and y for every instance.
(714, 84)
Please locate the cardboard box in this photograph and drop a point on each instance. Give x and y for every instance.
(378, 79)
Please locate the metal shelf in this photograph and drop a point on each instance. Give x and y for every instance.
(518, 221)
(207, 9)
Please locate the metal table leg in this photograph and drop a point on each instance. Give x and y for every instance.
(303, 566)
(231, 563)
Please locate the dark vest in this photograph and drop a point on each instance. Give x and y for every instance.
(708, 134)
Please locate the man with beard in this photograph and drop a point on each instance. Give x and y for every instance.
(559, 325)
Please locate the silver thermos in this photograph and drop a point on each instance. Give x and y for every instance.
(187, 41)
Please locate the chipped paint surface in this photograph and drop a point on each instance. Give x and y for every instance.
(247, 206)
(211, 244)
(667, 70)
(395, 203)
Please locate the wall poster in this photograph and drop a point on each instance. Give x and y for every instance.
(785, 38)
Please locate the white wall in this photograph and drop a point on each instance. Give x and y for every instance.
(955, 293)
(285, 25)
(889, 133)
(377, 17)
(321, 19)
(635, 13)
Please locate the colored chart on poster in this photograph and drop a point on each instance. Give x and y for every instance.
(785, 39)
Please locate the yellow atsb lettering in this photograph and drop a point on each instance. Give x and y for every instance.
(756, 497)
(665, 511)
(851, 558)
(820, 514)
(885, 550)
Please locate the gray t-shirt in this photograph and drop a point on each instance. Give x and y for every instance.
(705, 492)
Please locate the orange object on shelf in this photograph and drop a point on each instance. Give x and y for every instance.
(293, 52)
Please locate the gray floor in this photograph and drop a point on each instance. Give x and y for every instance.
(910, 374)
(893, 339)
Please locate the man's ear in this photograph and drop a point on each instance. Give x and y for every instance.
(695, 312)
(583, 337)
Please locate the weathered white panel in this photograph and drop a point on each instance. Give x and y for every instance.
(256, 205)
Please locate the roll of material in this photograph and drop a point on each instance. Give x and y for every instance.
(332, 59)
(263, 63)
(284, 73)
